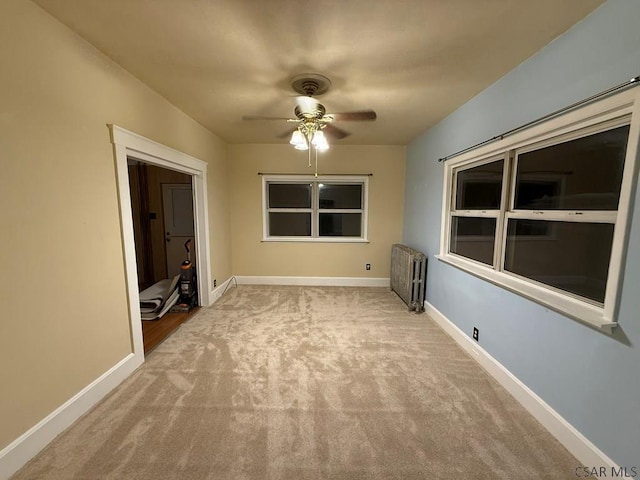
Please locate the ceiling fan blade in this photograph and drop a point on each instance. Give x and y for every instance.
(362, 115)
(334, 133)
(307, 104)
(262, 117)
(287, 134)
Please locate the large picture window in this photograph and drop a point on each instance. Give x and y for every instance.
(303, 208)
(544, 213)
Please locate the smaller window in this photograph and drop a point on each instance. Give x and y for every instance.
(289, 224)
(340, 210)
(474, 238)
(290, 195)
(477, 202)
(289, 209)
(575, 260)
(340, 224)
(480, 188)
(340, 196)
(581, 174)
(315, 208)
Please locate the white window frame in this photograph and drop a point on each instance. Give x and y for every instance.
(616, 110)
(480, 213)
(315, 209)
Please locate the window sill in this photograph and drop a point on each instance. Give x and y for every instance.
(316, 239)
(584, 312)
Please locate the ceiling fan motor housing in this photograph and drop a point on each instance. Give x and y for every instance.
(317, 113)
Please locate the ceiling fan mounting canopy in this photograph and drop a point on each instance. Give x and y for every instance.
(310, 84)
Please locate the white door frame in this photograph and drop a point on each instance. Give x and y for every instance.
(128, 144)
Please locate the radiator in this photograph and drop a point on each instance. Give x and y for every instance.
(408, 275)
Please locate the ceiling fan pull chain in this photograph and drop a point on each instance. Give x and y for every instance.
(316, 150)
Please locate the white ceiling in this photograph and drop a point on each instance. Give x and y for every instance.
(412, 61)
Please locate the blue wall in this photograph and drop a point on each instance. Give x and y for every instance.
(590, 378)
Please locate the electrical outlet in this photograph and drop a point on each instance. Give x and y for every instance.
(476, 334)
(367, 266)
(215, 283)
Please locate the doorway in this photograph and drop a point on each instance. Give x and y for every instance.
(130, 146)
(163, 220)
(164, 234)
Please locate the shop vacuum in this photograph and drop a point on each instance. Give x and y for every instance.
(188, 284)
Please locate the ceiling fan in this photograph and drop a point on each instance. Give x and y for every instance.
(314, 124)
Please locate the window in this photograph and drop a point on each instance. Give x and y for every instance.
(289, 209)
(544, 212)
(477, 208)
(304, 208)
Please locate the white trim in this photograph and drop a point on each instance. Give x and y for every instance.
(314, 281)
(316, 239)
(476, 213)
(562, 302)
(217, 292)
(445, 217)
(156, 152)
(129, 144)
(312, 178)
(629, 177)
(574, 441)
(584, 216)
(594, 127)
(15, 455)
(129, 247)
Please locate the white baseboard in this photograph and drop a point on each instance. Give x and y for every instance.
(15, 455)
(579, 446)
(217, 292)
(315, 281)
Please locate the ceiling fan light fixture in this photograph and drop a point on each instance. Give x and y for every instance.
(319, 141)
(298, 140)
(311, 117)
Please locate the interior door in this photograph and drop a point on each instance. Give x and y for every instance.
(177, 201)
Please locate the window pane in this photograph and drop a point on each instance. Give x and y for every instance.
(289, 195)
(582, 174)
(340, 196)
(473, 238)
(571, 256)
(480, 188)
(283, 224)
(340, 225)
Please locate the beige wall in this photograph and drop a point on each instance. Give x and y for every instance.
(64, 319)
(251, 256)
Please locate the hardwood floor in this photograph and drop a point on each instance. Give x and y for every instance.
(155, 331)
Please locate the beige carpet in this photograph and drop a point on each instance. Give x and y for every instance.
(306, 383)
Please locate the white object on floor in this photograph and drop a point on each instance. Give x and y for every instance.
(171, 301)
(154, 300)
